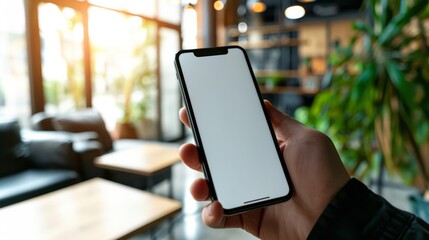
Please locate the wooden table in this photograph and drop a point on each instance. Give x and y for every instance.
(94, 209)
(147, 159)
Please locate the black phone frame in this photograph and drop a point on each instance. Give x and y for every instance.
(205, 52)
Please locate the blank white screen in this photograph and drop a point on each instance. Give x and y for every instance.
(239, 148)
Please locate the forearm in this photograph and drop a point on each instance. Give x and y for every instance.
(358, 213)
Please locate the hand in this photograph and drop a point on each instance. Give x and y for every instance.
(316, 172)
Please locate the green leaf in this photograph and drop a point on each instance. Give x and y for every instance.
(301, 114)
(405, 89)
(384, 13)
(403, 6)
(341, 55)
(399, 21)
(371, 6)
(422, 132)
(361, 26)
(362, 81)
(424, 106)
(425, 12)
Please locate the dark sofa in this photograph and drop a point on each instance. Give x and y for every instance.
(32, 168)
(89, 121)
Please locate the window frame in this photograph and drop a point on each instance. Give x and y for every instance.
(37, 96)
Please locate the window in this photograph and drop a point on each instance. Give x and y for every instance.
(114, 56)
(124, 71)
(61, 36)
(14, 85)
(170, 42)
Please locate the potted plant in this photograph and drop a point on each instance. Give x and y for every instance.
(270, 81)
(136, 94)
(376, 108)
(136, 102)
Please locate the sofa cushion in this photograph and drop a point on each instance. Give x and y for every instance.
(31, 183)
(42, 122)
(86, 120)
(53, 154)
(13, 152)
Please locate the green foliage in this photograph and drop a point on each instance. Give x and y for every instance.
(142, 80)
(272, 80)
(53, 90)
(376, 108)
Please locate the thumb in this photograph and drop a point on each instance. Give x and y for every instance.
(283, 125)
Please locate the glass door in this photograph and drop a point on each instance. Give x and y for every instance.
(62, 53)
(125, 64)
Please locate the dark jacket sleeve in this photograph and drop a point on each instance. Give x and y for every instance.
(358, 213)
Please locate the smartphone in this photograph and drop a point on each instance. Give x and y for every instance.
(240, 156)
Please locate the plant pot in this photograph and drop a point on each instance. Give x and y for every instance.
(124, 131)
(146, 129)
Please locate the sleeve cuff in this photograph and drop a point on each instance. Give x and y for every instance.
(357, 213)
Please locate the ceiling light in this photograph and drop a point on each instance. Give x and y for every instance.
(218, 5)
(242, 27)
(258, 7)
(295, 12)
(306, 1)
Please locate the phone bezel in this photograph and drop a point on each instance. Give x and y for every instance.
(206, 52)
